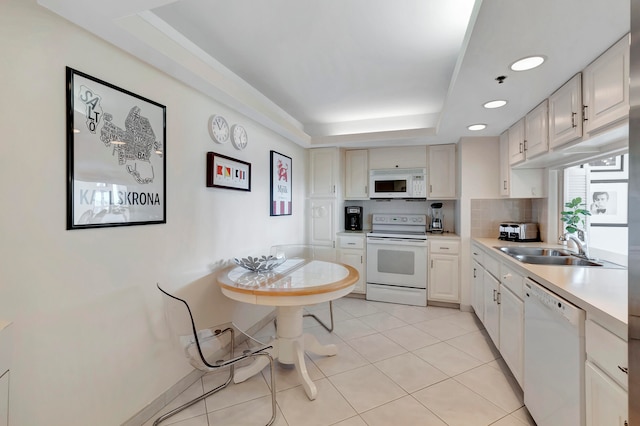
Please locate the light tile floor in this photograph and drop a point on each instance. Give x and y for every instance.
(396, 365)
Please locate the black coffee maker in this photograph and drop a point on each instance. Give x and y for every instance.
(353, 218)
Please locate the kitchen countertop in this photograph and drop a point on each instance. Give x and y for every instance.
(601, 292)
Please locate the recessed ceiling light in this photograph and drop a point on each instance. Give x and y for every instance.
(476, 127)
(527, 63)
(495, 104)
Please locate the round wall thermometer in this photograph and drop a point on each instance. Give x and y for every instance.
(239, 137)
(218, 129)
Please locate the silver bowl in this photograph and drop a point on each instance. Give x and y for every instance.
(259, 264)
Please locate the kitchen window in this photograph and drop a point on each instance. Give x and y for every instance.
(603, 186)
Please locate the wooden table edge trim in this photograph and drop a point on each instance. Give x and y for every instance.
(351, 278)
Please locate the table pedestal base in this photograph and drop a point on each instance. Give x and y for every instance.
(289, 348)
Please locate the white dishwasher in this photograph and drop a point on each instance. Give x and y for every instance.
(554, 356)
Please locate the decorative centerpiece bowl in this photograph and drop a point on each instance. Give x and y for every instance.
(260, 264)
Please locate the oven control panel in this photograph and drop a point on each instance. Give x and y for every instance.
(399, 219)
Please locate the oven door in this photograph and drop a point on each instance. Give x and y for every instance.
(397, 262)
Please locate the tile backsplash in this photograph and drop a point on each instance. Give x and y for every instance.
(486, 215)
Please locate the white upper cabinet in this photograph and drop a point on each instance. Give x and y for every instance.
(565, 113)
(441, 169)
(356, 176)
(536, 133)
(606, 87)
(323, 172)
(406, 157)
(516, 142)
(505, 168)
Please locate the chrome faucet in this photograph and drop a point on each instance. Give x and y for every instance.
(583, 249)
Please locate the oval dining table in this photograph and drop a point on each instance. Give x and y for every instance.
(296, 283)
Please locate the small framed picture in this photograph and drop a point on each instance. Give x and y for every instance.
(609, 164)
(280, 184)
(608, 203)
(227, 172)
(116, 155)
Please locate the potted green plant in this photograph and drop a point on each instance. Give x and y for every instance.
(574, 217)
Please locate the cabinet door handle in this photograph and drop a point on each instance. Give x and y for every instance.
(504, 185)
(444, 248)
(365, 189)
(431, 263)
(625, 370)
(584, 113)
(499, 298)
(494, 295)
(525, 145)
(573, 120)
(520, 147)
(361, 260)
(474, 273)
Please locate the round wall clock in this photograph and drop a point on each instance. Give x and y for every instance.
(239, 137)
(218, 129)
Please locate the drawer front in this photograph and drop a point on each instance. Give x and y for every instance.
(607, 351)
(477, 254)
(513, 280)
(444, 246)
(352, 242)
(492, 266)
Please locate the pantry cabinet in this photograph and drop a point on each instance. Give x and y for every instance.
(441, 168)
(324, 166)
(323, 172)
(606, 87)
(565, 113)
(444, 283)
(356, 174)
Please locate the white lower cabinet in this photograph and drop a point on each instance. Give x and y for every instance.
(491, 311)
(444, 282)
(512, 332)
(477, 282)
(352, 252)
(606, 379)
(606, 401)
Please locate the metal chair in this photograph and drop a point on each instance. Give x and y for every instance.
(210, 349)
(308, 252)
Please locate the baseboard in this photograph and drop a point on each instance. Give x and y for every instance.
(183, 384)
(443, 304)
(164, 399)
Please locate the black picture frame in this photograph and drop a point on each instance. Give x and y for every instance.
(229, 173)
(116, 155)
(281, 185)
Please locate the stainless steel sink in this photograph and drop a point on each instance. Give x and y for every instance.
(534, 251)
(556, 260)
(549, 256)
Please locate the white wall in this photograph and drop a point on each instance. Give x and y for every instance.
(479, 159)
(91, 347)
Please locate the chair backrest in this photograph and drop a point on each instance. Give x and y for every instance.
(203, 347)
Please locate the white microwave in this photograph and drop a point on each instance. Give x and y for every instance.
(398, 183)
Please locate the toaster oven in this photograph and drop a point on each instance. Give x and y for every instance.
(519, 231)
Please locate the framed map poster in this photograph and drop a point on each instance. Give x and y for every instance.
(116, 159)
(227, 172)
(280, 184)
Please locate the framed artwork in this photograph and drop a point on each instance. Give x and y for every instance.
(608, 203)
(280, 184)
(227, 172)
(609, 164)
(116, 155)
